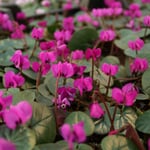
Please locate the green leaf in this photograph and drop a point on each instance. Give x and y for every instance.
(30, 74)
(62, 145)
(143, 122)
(43, 123)
(18, 96)
(83, 39)
(5, 56)
(117, 142)
(127, 116)
(23, 138)
(142, 96)
(146, 82)
(111, 60)
(102, 126)
(78, 116)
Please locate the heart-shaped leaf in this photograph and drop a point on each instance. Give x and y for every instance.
(78, 116)
(83, 39)
(143, 122)
(23, 138)
(43, 123)
(117, 142)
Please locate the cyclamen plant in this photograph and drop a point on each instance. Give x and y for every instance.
(76, 82)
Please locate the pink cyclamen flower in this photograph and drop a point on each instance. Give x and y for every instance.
(43, 68)
(13, 80)
(146, 21)
(62, 69)
(84, 18)
(63, 35)
(107, 35)
(18, 114)
(47, 45)
(68, 23)
(145, 1)
(136, 45)
(149, 144)
(77, 54)
(37, 33)
(21, 15)
(78, 70)
(126, 96)
(68, 5)
(139, 65)
(65, 96)
(6, 145)
(96, 110)
(5, 101)
(83, 84)
(47, 57)
(93, 53)
(42, 23)
(133, 11)
(45, 3)
(20, 61)
(109, 69)
(74, 133)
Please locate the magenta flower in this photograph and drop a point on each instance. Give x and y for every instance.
(109, 69)
(20, 61)
(107, 35)
(47, 57)
(42, 23)
(136, 45)
(13, 80)
(77, 54)
(146, 21)
(145, 1)
(37, 33)
(46, 3)
(47, 45)
(93, 53)
(67, 6)
(78, 70)
(68, 23)
(5, 101)
(84, 18)
(65, 96)
(133, 11)
(83, 84)
(6, 145)
(43, 68)
(21, 16)
(63, 36)
(18, 114)
(139, 65)
(74, 133)
(62, 69)
(96, 110)
(149, 144)
(126, 96)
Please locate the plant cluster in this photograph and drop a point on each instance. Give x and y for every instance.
(76, 82)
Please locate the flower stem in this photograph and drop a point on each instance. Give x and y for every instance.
(34, 48)
(108, 85)
(145, 33)
(38, 77)
(107, 109)
(56, 95)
